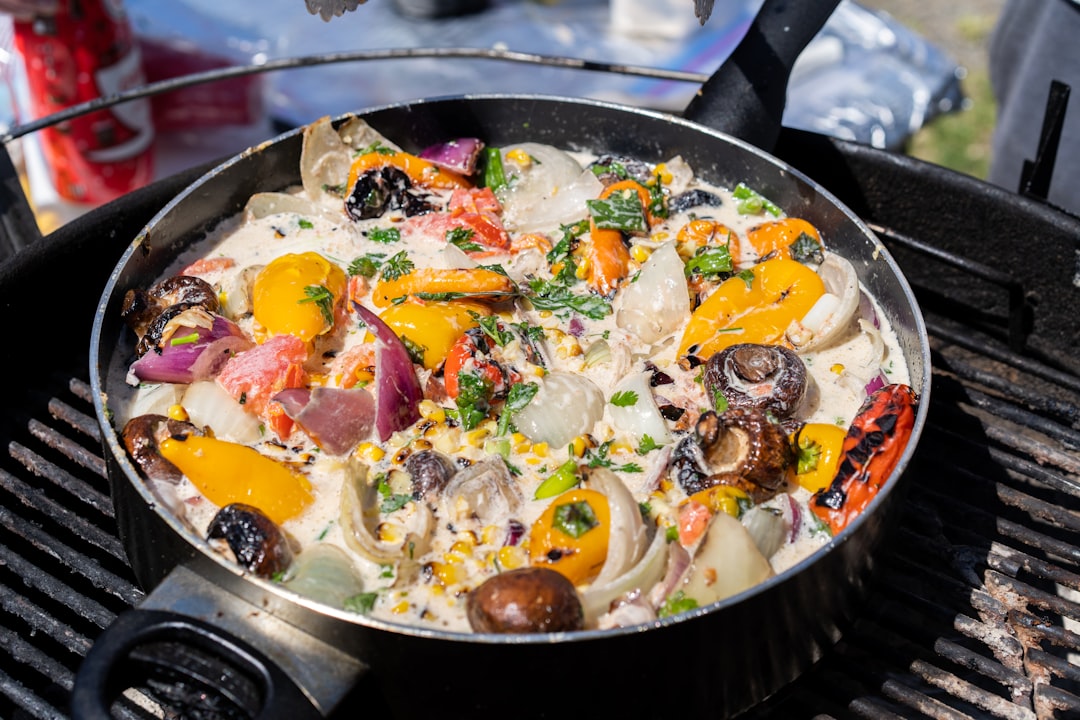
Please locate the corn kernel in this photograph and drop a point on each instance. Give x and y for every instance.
(540, 449)
(539, 371)
(533, 461)
(620, 446)
(579, 444)
(177, 412)
(837, 368)
(389, 532)
(370, 452)
(660, 236)
(545, 313)
(449, 573)
(510, 557)
(400, 608)
(364, 376)
(459, 550)
(582, 270)
(640, 253)
(491, 534)
(476, 438)
(421, 444)
(665, 174)
(430, 410)
(520, 157)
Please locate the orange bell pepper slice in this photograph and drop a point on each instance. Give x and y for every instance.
(756, 312)
(607, 259)
(420, 171)
(774, 238)
(473, 283)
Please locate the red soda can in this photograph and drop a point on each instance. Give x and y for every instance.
(85, 51)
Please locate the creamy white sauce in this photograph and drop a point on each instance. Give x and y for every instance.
(430, 589)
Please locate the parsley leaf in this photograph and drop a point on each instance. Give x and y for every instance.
(752, 203)
(474, 393)
(599, 458)
(625, 398)
(575, 518)
(463, 238)
(323, 298)
(676, 603)
(549, 296)
(646, 445)
(305, 224)
(384, 235)
(619, 211)
(391, 501)
(491, 327)
(519, 395)
(361, 603)
(806, 249)
(747, 276)
(396, 266)
(710, 262)
(366, 265)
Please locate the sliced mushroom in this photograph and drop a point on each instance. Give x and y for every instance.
(740, 447)
(256, 541)
(525, 600)
(768, 377)
(142, 436)
(692, 199)
(162, 327)
(382, 189)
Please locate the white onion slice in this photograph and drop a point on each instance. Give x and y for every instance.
(628, 535)
(658, 302)
(324, 160)
(546, 192)
(727, 562)
(265, 204)
(210, 405)
(325, 573)
(360, 514)
(832, 313)
(597, 598)
(156, 399)
(643, 416)
(565, 406)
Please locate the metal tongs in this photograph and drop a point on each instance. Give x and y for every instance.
(327, 9)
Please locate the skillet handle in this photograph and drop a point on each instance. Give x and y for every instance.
(746, 96)
(189, 661)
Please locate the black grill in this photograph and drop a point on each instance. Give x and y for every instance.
(971, 607)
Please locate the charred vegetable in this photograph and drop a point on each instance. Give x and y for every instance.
(142, 437)
(874, 443)
(257, 542)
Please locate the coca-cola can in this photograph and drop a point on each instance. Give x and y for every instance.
(85, 51)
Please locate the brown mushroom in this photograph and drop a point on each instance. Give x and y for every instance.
(769, 377)
(142, 436)
(525, 600)
(140, 307)
(256, 541)
(741, 447)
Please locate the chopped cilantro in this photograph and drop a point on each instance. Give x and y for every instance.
(619, 211)
(625, 398)
(719, 401)
(384, 235)
(396, 266)
(549, 296)
(366, 265)
(646, 445)
(474, 393)
(747, 276)
(322, 298)
(806, 249)
(391, 501)
(416, 350)
(462, 237)
(492, 328)
(519, 395)
(676, 603)
(710, 262)
(599, 458)
(305, 224)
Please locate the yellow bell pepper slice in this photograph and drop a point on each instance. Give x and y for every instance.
(571, 536)
(298, 294)
(818, 448)
(473, 283)
(434, 326)
(226, 472)
(758, 311)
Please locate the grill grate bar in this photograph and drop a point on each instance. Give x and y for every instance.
(77, 419)
(70, 449)
(42, 621)
(62, 593)
(30, 702)
(79, 562)
(75, 486)
(58, 512)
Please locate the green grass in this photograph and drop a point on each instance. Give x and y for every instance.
(960, 140)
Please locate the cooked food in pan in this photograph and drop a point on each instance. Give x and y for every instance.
(512, 389)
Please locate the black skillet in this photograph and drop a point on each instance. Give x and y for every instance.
(250, 646)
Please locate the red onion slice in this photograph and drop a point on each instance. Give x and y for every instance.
(337, 419)
(397, 390)
(186, 362)
(459, 155)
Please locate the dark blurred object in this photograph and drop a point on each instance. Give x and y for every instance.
(233, 101)
(327, 9)
(703, 9)
(439, 8)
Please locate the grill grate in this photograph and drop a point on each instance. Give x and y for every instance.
(974, 611)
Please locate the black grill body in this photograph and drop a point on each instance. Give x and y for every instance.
(972, 606)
